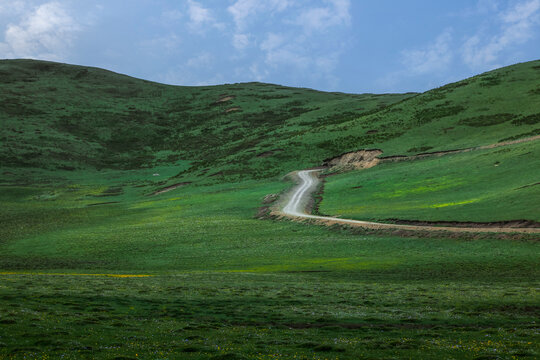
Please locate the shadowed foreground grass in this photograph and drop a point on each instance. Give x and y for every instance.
(265, 316)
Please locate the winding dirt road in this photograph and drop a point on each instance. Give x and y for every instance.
(295, 209)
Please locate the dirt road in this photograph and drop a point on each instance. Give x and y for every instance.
(295, 208)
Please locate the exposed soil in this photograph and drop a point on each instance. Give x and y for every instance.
(225, 99)
(229, 110)
(498, 224)
(361, 159)
(263, 213)
(270, 198)
(171, 187)
(422, 155)
(404, 230)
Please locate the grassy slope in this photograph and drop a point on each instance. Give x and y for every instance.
(481, 186)
(227, 284)
(57, 116)
(486, 109)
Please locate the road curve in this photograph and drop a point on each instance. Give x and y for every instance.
(295, 208)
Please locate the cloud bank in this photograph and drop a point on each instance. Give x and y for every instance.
(43, 32)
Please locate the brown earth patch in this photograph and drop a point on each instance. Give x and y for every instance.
(225, 99)
(517, 224)
(233, 109)
(361, 159)
(430, 231)
(421, 155)
(170, 187)
(270, 198)
(263, 213)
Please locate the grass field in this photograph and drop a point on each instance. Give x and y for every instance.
(92, 265)
(499, 184)
(261, 289)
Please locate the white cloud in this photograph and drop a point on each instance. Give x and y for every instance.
(335, 13)
(240, 41)
(522, 11)
(198, 14)
(296, 54)
(259, 73)
(243, 11)
(486, 6)
(433, 58)
(287, 56)
(168, 43)
(280, 50)
(517, 26)
(272, 42)
(11, 7)
(172, 15)
(202, 60)
(46, 32)
(200, 18)
(292, 39)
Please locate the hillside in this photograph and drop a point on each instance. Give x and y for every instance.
(497, 106)
(64, 117)
(58, 116)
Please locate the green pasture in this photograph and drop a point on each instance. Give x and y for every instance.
(224, 285)
(499, 184)
(265, 316)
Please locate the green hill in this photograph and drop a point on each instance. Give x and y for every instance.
(58, 116)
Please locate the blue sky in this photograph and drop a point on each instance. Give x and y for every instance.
(337, 45)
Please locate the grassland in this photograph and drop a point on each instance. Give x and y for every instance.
(225, 283)
(491, 185)
(82, 150)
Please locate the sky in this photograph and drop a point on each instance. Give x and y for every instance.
(353, 46)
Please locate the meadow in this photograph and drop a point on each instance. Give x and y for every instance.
(491, 185)
(95, 264)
